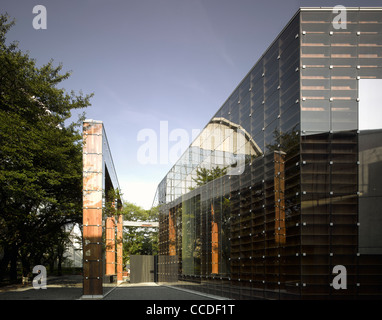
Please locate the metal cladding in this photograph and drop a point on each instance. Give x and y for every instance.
(98, 178)
(119, 247)
(110, 246)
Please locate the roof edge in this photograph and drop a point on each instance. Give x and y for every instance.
(347, 8)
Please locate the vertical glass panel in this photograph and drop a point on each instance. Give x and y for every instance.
(343, 73)
(369, 108)
(315, 87)
(290, 119)
(315, 73)
(344, 115)
(318, 17)
(288, 37)
(257, 70)
(244, 87)
(370, 187)
(188, 237)
(315, 40)
(315, 115)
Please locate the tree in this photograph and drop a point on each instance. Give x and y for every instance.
(203, 175)
(139, 240)
(40, 155)
(112, 199)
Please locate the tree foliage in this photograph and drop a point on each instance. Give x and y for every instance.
(139, 240)
(40, 155)
(112, 198)
(203, 175)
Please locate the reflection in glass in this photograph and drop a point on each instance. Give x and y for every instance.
(280, 186)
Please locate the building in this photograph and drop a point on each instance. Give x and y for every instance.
(73, 255)
(102, 222)
(279, 196)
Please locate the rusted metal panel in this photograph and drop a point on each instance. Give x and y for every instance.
(171, 235)
(92, 162)
(92, 127)
(279, 183)
(92, 208)
(119, 247)
(214, 242)
(92, 251)
(110, 246)
(92, 218)
(92, 285)
(99, 177)
(92, 199)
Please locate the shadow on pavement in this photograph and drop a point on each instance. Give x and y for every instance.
(70, 288)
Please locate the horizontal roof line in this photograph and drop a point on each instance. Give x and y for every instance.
(347, 8)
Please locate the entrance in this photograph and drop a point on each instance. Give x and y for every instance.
(142, 268)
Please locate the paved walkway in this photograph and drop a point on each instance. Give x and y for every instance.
(70, 288)
(58, 288)
(152, 291)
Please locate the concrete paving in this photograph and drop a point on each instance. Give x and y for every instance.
(152, 291)
(58, 288)
(70, 288)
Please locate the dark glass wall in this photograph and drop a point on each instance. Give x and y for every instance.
(236, 235)
(266, 201)
(333, 62)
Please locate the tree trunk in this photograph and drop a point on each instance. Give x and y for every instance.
(13, 269)
(59, 265)
(25, 266)
(4, 263)
(60, 254)
(51, 265)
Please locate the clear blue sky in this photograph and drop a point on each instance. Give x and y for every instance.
(153, 60)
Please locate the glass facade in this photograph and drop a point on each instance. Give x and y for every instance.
(272, 195)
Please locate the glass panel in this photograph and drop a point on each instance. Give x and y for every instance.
(315, 115)
(276, 229)
(344, 115)
(370, 189)
(370, 100)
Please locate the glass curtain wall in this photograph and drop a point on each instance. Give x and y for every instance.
(230, 205)
(333, 62)
(266, 201)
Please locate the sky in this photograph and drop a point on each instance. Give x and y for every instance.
(153, 65)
